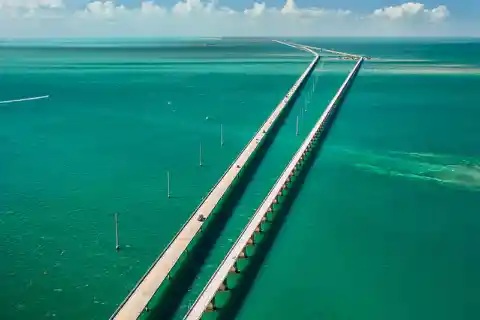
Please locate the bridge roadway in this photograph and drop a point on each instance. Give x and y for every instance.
(217, 281)
(137, 300)
(295, 45)
(349, 55)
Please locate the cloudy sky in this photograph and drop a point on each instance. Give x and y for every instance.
(88, 18)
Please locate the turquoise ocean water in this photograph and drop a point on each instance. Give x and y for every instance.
(385, 226)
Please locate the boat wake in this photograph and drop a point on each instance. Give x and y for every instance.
(25, 99)
(444, 169)
(422, 69)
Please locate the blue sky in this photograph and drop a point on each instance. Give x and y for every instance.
(67, 18)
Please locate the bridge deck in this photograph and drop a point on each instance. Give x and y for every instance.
(345, 54)
(350, 55)
(228, 263)
(137, 300)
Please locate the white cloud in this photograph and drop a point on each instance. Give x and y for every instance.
(412, 10)
(107, 9)
(150, 8)
(196, 8)
(30, 4)
(28, 9)
(290, 8)
(110, 11)
(207, 18)
(439, 13)
(185, 7)
(257, 10)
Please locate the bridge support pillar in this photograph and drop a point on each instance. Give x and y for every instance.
(211, 306)
(223, 286)
(243, 254)
(235, 269)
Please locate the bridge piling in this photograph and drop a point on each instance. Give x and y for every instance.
(221, 135)
(201, 158)
(296, 132)
(117, 245)
(168, 185)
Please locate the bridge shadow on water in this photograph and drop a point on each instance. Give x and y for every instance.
(190, 268)
(241, 290)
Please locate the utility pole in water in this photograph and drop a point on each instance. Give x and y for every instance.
(221, 135)
(117, 245)
(168, 184)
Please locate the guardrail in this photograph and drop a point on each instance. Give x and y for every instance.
(218, 281)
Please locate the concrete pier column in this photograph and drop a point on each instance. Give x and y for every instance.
(243, 254)
(117, 244)
(211, 306)
(234, 269)
(223, 286)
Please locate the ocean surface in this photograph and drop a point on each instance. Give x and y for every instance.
(386, 225)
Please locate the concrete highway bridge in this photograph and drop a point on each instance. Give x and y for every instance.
(167, 280)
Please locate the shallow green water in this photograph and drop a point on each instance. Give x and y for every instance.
(384, 227)
(101, 144)
(386, 224)
(278, 156)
